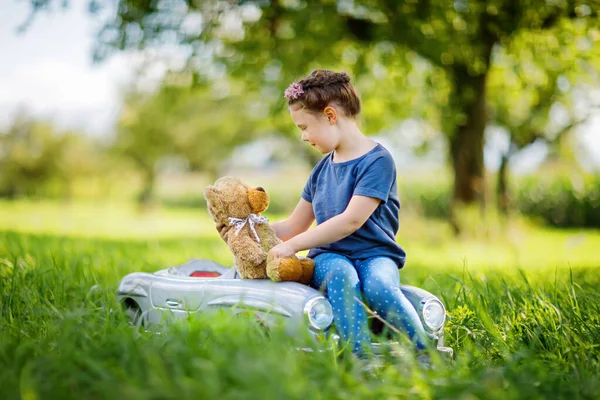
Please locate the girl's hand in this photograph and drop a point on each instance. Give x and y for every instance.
(282, 250)
(223, 229)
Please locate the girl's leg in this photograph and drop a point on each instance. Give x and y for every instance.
(337, 277)
(381, 287)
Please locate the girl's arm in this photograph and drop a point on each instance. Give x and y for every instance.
(299, 221)
(356, 214)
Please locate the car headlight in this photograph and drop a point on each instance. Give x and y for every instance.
(434, 314)
(319, 313)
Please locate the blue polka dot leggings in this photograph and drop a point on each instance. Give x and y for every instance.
(378, 280)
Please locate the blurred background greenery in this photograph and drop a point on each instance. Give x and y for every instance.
(490, 108)
(462, 93)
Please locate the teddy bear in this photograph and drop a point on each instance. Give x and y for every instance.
(232, 203)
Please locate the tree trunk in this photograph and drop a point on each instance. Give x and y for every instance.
(146, 196)
(502, 185)
(466, 144)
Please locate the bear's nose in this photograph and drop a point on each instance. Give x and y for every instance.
(260, 189)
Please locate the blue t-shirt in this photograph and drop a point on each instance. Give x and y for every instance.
(330, 187)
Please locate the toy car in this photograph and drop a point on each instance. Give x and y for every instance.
(203, 285)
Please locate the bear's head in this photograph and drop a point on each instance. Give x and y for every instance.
(230, 197)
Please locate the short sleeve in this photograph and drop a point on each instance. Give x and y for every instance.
(376, 178)
(307, 191)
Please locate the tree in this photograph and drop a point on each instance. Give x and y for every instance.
(211, 120)
(536, 76)
(202, 124)
(143, 137)
(256, 39)
(38, 159)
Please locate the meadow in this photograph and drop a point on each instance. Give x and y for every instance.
(522, 299)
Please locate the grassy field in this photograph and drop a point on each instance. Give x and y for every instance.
(523, 304)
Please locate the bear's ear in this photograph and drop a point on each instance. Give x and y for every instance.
(210, 193)
(213, 201)
(259, 200)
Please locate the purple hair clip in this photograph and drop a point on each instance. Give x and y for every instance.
(294, 91)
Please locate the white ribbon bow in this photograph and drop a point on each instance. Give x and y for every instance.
(251, 220)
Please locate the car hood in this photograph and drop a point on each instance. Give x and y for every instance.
(286, 298)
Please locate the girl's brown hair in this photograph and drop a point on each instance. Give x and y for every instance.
(322, 87)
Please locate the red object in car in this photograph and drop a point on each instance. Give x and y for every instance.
(205, 274)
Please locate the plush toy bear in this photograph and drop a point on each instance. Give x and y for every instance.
(231, 202)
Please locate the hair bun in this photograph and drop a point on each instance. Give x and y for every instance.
(322, 87)
(323, 77)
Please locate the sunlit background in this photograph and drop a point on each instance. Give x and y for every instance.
(116, 114)
(155, 125)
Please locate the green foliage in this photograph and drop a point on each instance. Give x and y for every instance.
(270, 44)
(30, 154)
(529, 332)
(552, 319)
(430, 198)
(558, 200)
(38, 160)
(540, 72)
(565, 201)
(61, 311)
(199, 126)
(431, 60)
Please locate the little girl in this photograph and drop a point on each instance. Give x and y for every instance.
(352, 195)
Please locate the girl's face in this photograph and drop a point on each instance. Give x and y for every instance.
(316, 129)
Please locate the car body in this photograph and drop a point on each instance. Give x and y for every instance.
(200, 286)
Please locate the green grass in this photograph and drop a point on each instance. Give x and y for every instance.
(524, 315)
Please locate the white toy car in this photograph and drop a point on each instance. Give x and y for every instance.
(203, 285)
